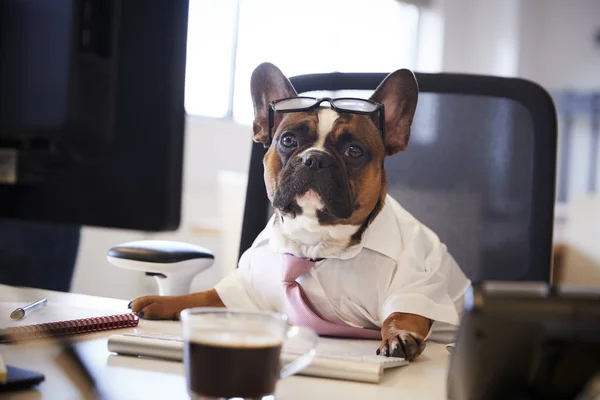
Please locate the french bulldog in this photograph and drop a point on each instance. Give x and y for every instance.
(324, 176)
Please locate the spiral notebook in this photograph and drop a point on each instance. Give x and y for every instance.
(51, 322)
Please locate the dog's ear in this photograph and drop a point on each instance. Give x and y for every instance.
(267, 84)
(398, 93)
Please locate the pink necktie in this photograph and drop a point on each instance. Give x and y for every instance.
(301, 312)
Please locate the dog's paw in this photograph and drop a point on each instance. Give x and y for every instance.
(158, 307)
(405, 344)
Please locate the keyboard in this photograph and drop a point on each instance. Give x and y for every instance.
(335, 358)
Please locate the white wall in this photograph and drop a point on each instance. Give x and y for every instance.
(213, 145)
(548, 41)
(558, 49)
(480, 36)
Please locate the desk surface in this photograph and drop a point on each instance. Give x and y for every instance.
(134, 378)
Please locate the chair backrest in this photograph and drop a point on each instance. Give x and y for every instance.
(479, 170)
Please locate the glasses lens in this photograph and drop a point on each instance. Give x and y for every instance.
(295, 103)
(355, 105)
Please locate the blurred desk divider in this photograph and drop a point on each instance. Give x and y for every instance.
(232, 197)
(580, 261)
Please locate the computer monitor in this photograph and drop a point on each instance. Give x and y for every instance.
(92, 111)
(527, 340)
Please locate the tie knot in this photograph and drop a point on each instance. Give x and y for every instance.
(293, 267)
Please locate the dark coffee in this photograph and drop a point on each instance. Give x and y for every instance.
(244, 371)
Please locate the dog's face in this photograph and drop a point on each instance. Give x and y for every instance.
(325, 162)
(333, 160)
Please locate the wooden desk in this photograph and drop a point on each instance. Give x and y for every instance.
(134, 378)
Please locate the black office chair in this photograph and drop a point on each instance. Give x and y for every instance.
(479, 170)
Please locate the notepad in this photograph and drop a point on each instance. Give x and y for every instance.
(56, 321)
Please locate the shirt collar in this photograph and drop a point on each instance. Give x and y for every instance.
(382, 235)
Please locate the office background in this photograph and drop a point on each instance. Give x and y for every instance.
(555, 43)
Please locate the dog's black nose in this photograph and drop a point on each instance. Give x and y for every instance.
(317, 160)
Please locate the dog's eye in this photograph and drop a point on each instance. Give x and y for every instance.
(288, 140)
(354, 151)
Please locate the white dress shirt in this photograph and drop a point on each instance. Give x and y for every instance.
(399, 266)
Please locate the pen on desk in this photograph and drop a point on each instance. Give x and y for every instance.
(21, 312)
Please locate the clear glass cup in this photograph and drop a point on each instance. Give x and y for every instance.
(236, 354)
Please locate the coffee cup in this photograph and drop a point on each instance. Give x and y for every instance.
(236, 354)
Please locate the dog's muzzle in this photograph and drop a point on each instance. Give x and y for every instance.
(321, 172)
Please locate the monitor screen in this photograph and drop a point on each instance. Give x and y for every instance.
(92, 111)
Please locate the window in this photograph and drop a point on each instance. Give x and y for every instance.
(229, 38)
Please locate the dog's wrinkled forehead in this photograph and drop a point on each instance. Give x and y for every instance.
(318, 124)
(327, 118)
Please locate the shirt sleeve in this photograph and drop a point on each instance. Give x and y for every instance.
(420, 284)
(233, 289)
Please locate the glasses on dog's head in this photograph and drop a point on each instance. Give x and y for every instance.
(350, 105)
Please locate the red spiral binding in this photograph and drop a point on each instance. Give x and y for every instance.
(65, 328)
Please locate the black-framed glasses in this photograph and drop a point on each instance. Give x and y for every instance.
(350, 105)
